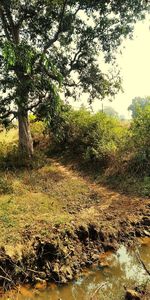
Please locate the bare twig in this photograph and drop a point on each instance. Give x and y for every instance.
(5, 278)
(97, 289)
(8, 278)
(34, 271)
(142, 263)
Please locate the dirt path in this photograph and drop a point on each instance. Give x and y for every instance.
(110, 205)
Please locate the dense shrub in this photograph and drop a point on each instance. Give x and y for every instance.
(95, 137)
(140, 141)
(8, 155)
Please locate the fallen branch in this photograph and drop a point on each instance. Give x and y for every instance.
(97, 289)
(5, 278)
(8, 278)
(37, 272)
(142, 263)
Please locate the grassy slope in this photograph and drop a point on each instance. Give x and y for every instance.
(36, 200)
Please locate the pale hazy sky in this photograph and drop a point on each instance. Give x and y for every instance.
(134, 64)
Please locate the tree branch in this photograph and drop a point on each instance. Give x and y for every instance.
(73, 84)
(25, 15)
(55, 38)
(7, 114)
(12, 28)
(5, 24)
(35, 104)
(142, 263)
(52, 76)
(75, 59)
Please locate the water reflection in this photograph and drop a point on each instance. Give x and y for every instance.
(107, 282)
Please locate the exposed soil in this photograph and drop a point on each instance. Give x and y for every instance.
(99, 223)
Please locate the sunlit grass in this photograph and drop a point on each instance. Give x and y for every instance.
(9, 136)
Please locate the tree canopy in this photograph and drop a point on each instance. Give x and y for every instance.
(138, 103)
(110, 111)
(49, 46)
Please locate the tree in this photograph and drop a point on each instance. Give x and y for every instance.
(137, 103)
(122, 117)
(51, 44)
(110, 111)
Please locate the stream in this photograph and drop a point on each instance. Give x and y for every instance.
(106, 282)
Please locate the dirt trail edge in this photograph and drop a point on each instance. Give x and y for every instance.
(99, 224)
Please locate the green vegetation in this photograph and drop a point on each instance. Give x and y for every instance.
(140, 129)
(45, 43)
(94, 137)
(52, 214)
(137, 103)
(118, 151)
(117, 154)
(61, 202)
(110, 111)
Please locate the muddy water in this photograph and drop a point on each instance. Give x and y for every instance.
(105, 282)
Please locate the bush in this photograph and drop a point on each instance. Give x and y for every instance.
(37, 129)
(8, 155)
(140, 141)
(5, 186)
(95, 137)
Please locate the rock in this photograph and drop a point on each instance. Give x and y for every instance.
(95, 257)
(85, 256)
(132, 295)
(104, 264)
(89, 263)
(132, 233)
(146, 221)
(109, 247)
(147, 233)
(67, 272)
(138, 232)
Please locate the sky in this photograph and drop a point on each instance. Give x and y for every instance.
(134, 64)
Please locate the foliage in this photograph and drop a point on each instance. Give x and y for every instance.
(110, 111)
(48, 45)
(95, 137)
(138, 103)
(140, 143)
(37, 128)
(127, 183)
(9, 155)
(104, 141)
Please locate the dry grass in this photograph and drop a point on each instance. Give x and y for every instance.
(9, 136)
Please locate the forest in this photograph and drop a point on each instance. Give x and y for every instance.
(74, 183)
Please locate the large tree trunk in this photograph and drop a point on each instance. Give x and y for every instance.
(25, 139)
